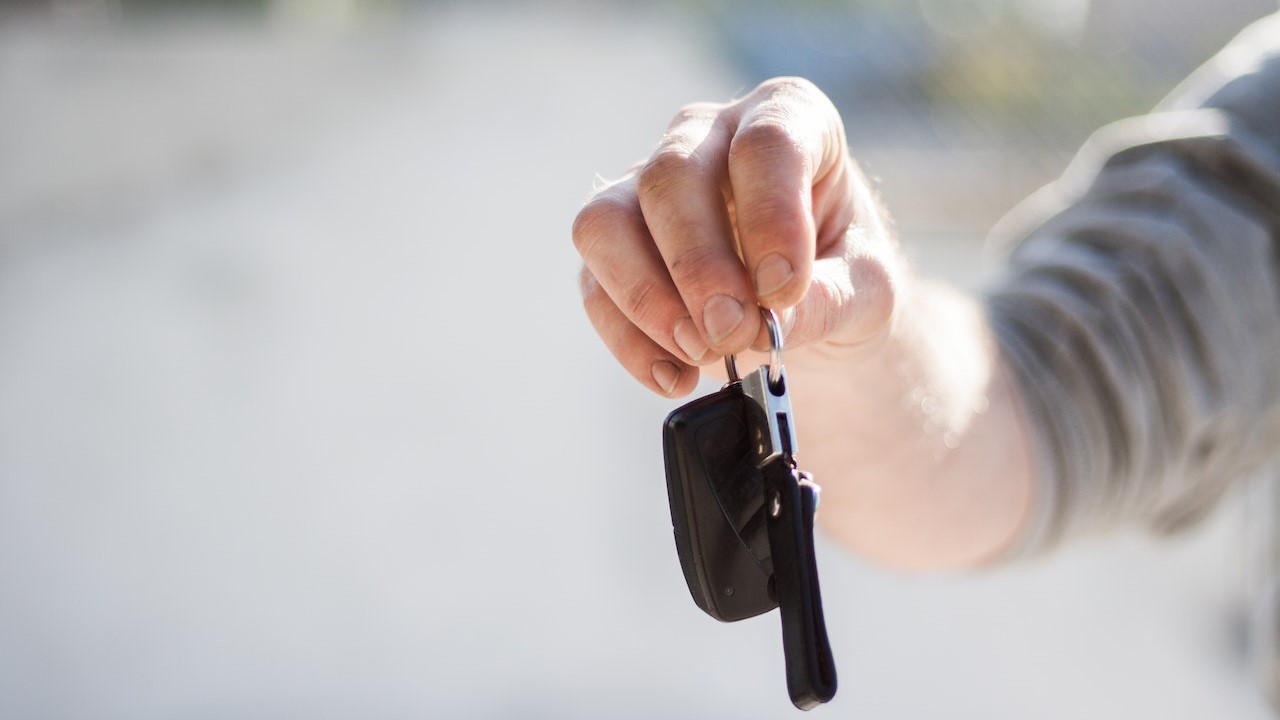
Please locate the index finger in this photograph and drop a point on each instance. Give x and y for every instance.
(789, 140)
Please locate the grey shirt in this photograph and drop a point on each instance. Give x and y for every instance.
(1141, 309)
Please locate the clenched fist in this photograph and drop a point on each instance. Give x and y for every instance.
(752, 202)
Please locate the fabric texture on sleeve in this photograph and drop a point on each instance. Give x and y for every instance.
(1140, 313)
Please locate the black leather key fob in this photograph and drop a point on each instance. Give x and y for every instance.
(716, 495)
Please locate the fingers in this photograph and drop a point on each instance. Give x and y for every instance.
(788, 147)
(732, 210)
(619, 251)
(681, 196)
(657, 369)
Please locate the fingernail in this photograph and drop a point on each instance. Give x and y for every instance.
(689, 340)
(772, 274)
(721, 316)
(665, 374)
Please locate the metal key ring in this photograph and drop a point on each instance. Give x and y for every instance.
(775, 345)
(731, 368)
(775, 351)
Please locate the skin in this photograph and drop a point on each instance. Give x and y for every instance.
(907, 415)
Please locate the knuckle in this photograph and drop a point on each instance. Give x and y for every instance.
(782, 220)
(766, 139)
(695, 265)
(797, 107)
(596, 218)
(666, 171)
(640, 301)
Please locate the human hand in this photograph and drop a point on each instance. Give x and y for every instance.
(750, 202)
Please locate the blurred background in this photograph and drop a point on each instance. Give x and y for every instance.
(300, 416)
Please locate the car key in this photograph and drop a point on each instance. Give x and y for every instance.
(716, 494)
(743, 515)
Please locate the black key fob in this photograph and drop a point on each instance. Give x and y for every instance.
(716, 494)
(743, 514)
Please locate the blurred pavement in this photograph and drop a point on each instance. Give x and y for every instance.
(300, 416)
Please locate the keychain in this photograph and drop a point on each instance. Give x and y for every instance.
(742, 515)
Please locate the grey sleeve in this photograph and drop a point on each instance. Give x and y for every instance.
(1140, 312)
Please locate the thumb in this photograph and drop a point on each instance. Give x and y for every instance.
(851, 299)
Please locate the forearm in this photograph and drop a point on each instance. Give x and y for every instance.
(915, 436)
(1136, 326)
